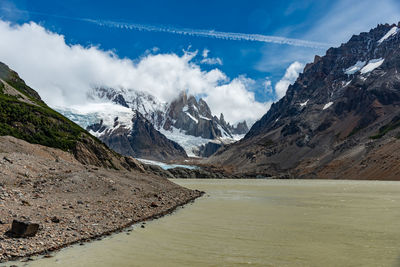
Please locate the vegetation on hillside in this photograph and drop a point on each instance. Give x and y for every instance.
(35, 123)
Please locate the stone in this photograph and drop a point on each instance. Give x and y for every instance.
(24, 228)
(55, 219)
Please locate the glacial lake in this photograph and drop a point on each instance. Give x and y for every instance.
(260, 223)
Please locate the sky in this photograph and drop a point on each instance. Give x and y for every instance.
(240, 56)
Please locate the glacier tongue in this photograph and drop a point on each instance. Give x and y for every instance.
(94, 112)
(189, 142)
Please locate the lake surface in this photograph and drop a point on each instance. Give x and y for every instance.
(260, 223)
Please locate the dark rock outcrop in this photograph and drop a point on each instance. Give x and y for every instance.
(209, 149)
(241, 128)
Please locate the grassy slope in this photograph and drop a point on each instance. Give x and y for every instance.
(39, 124)
(36, 124)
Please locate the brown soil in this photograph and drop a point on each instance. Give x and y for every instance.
(38, 183)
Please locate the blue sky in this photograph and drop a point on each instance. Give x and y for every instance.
(259, 17)
(328, 23)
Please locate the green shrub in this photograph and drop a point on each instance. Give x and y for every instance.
(37, 124)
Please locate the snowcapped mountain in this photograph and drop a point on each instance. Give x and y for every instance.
(186, 121)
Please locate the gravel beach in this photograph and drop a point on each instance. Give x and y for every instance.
(72, 202)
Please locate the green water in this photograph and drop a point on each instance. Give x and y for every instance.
(260, 223)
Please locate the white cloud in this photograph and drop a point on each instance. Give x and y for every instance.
(205, 53)
(291, 74)
(238, 100)
(268, 86)
(63, 74)
(210, 61)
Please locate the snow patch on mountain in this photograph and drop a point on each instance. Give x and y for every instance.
(390, 33)
(356, 67)
(304, 103)
(327, 105)
(372, 64)
(224, 133)
(193, 118)
(347, 83)
(204, 118)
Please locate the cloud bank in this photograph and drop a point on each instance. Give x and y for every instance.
(63, 74)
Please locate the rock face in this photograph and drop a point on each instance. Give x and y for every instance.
(140, 141)
(209, 149)
(186, 114)
(338, 120)
(195, 118)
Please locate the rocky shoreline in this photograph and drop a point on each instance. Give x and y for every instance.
(47, 251)
(71, 202)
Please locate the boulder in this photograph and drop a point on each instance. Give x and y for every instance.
(24, 228)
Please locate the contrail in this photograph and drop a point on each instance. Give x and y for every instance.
(190, 32)
(211, 34)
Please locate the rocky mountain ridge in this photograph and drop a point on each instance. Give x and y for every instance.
(338, 120)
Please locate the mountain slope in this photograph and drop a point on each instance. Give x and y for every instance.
(25, 116)
(338, 120)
